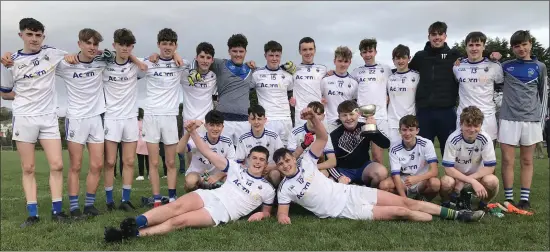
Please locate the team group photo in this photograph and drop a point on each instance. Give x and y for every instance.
(189, 140)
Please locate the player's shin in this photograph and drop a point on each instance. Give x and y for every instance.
(526, 173)
(153, 150)
(95, 151)
(508, 158)
(128, 155)
(170, 151)
(75, 155)
(52, 149)
(109, 177)
(26, 154)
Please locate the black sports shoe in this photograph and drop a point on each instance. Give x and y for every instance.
(60, 217)
(147, 201)
(91, 211)
(126, 206)
(470, 216)
(511, 202)
(77, 215)
(523, 204)
(464, 202)
(111, 206)
(31, 220)
(129, 228)
(112, 234)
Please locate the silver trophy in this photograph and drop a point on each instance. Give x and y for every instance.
(368, 111)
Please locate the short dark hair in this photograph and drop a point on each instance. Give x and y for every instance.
(280, 153)
(260, 149)
(408, 121)
(206, 48)
(167, 34)
(273, 46)
(476, 36)
(140, 113)
(237, 40)
(256, 110)
(438, 27)
(347, 106)
(401, 51)
(317, 107)
(305, 40)
(214, 117)
(31, 24)
(88, 33)
(367, 44)
(124, 37)
(520, 36)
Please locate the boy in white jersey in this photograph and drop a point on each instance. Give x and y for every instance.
(302, 136)
(30, 82)
(307, 186)
(164, 79)
(338, 87)
(307, 79)
(274, 88)
(477, 77)
(372, 89)
(200, 171)
(401, 91)
(245, 191)
(469, 159)
(259, 136)
(413, 164)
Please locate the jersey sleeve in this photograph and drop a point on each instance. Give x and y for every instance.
(498, 74)
(232, 167)
(328, 146)
(268, 194)
(7, 80)
(282, 196)
(395, 166)
(279, 143)
(216, 67)
(240, 154)
(292, 143)
(309, 161)
(231, 152)
(429, 153)
(488, 154)
(449, 155)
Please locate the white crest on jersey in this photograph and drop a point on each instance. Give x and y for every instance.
(272, 87)
(335, 90)
(402, 93)
(372, 87)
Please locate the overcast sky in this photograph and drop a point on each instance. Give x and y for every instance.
(330, 23)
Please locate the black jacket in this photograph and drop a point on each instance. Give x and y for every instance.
(437, 87)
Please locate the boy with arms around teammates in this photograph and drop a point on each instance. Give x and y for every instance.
(413, 164)
(401, 91)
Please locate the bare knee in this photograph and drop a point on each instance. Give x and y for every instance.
(129, 161)
(434, 184)
(191, 181)
(109, 164)
(402, 212)
(95, 165)
(447, 184)
(171, 164)
(56, 166)
(377, 171)
(386, 185)
(490, 182)
(275, 177)
(28, 169)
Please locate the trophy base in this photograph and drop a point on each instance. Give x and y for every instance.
(368, 133)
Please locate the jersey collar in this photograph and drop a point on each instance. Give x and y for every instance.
(405, 147)
(260, 177)
(341, 76)
(252, 133)
(272, 70)
(207, 139)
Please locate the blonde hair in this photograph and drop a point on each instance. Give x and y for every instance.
(343, 52)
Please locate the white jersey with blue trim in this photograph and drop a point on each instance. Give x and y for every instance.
(164, 81)
(335, 90)
(312, 190)
(197, 98)
(120, 85)
(415, 161)
(242, 192)
(269, 139)
(296, 138)
(224, 147)
(402, 93)
(272, 87)
(469, 157)
(307, 84)
(373, 81)
(476, 82)
(32, 78)
(84, 82)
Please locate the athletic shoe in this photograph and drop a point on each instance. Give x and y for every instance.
(91, 211)
(511, 202)
(112, 234)
(77, 215)
(31, 220)
(139, 178)
(470, 216)
(111, 206)
(129, 228)
(147, 201)
(61, 217)
(126, 206)
(523, 204)
(464, 202)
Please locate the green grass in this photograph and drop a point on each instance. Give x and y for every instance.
(306, 232)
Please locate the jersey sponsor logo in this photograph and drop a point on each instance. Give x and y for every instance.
(204, 160)
(409, 168)
(163, 74)
(468, 80)
(335, 92)
(242, 187)
(367, 79)
(401, 89)
(300, 77)
(35, 74)
(463, 161)
(302, 192)
(269, 85)
(118, 78)
(83, 75)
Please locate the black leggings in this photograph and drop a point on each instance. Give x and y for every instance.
(547, 136)
(143, 161)
(164, 168)
(121, 164)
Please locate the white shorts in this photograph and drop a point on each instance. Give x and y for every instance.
(85, 130)
(489, 125)
(360, 203)
(519, 133)
(121, 130)
(393, 135)
(30, 128)
(214, 206)
(235, 129)
(413, 190)
(160, 128)
(281, 127)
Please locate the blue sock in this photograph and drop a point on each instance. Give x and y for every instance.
(172, 193)
(90, 199)
(509, 193)
(482, 205)
(73, 201)
(157, 197)
(524, 194)
(141, 221)
(454, 196)
(109, 194)
(126, 190)
(32, 208)
(57, 205)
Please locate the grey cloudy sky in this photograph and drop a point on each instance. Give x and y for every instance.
(331, 24)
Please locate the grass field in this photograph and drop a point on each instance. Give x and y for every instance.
(306, 232)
